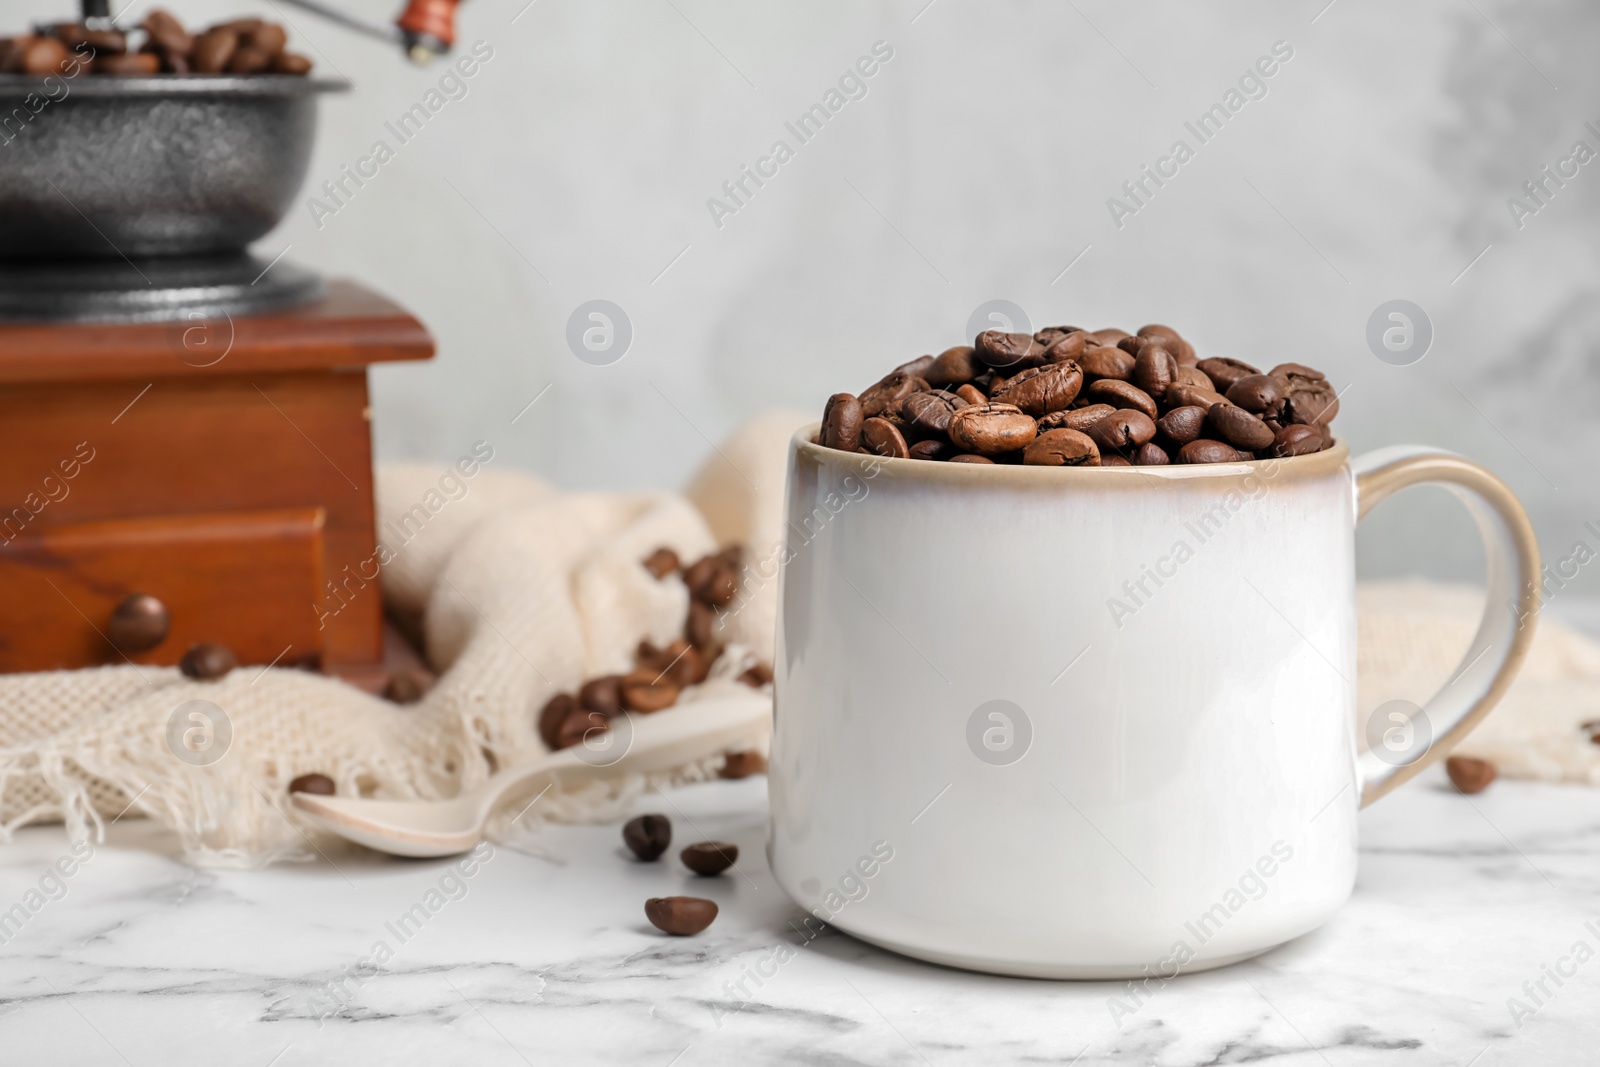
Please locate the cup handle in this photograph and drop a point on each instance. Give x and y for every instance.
(1509, 613)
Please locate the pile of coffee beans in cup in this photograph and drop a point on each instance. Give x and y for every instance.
(1069, 397)
(238, 46)
(661, 674)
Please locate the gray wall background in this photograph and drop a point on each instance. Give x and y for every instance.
(977, 166)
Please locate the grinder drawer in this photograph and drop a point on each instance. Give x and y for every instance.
(247, 580)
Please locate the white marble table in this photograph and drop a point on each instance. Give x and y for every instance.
(144, 961)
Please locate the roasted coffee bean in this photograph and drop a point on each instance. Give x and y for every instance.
(648, 691)
(269, 37)
(969, 457)
(916, 368)
(1297, 440)
(408, 685)
(1075, 418)
(1123, 429)
(214, 50)
(685, 666)
(1224, 372)
(710, 857)
(579, 726)
(1150, 454)
(954, 366)
(138, 623)
(207, 661)
(930, 449)
(841, 422)
(1182, 394)
(680, 916)
(317, 784)
(712, 581)
(1206, 450)
(1289, 371)
(662, 562)
(555, 712)
(101, 42)
(1007, 351)
(971, 395)
(1049, 335)
(167, 32)
(137, 65)
(990, 429)
(1259, 394)
(736, 765)
(43, 56)
(290, 63)
(1182, 425)
(602, 695)
(887, 394)
(757, 675)
(1108, 336)
(1470, 775)
(1062, 448)
(1112, 459)
(1042, 390)
(1068, 346)
(1120, 394)
(1239, 428)
(647, 836)
(1193, 376)
(928, 414)
(1309, 401)
(1166, 333)
(1154, 370)
(700, 627)
(880, 437)
(1106, 363)
(997, 382)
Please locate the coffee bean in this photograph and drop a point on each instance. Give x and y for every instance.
(954, 366)
(290, 63)
(1206, 450)
(738, 765)
(1108, 336)
(1079, 419)
(880, 437)
(1239, 428)
(928, 414)
(647, 691)
(167, 32)
(968, 457)
(1062, 448)
(1124, 428)
(1470, 775)
(711, 581)
(1297, 440)
(1049, 335)
(1290, 371)
(1310, 401)
(102, 43)
(971, 395)
(709, 857)
(408, 685)
(207, 662)
(602, 695)
(1182, 394)
(888, 393)
(1193, 376)
(43, 56)
(757, 675)
(1112, 459)
(660, 563)
(1066, 347)
(214, 50)
(1106, 363)
(317, 784)
(989, 429)
(647, 836)
(1042, 390)
(841, 422)
(579, 726)
(1150, 454)
(269, 37)
(1120, 394)
(555, 712)
(1165, 333)
(680, 916)
(1224, 371)
(1182, 425)
(138, 623)
(1009, 351)
(700, 627)
(930, 449)
(1260, 394)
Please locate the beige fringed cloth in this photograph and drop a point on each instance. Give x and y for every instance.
(522, 592)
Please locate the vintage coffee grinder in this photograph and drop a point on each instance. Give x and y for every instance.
(184, 423)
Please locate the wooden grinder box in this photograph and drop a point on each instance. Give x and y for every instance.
(223, 468)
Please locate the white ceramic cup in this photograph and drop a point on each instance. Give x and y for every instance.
(1096, 722)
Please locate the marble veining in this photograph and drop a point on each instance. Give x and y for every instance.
(1460, 906)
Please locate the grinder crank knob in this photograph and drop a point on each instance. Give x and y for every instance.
(429, 27)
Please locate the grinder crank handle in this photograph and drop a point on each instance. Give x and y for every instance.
(425, 29)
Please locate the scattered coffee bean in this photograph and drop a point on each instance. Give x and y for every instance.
(680, 916)
(408, 685)
(555, 712)
(602, 695)
(647, 690)
(757, 675)
(1470, 775)
(710, 857)
(207, 662)
(648, 836)
(742, 765)
(578, 726)
(320, 784)
(660, 563)
(138, 623)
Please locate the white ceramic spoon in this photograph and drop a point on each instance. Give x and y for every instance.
(446, 827)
